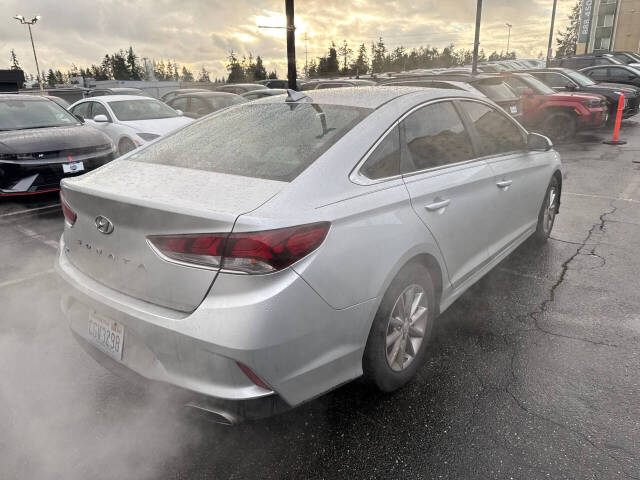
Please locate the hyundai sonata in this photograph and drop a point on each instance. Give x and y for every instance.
(275, 250)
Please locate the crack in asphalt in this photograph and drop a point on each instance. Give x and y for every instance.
(542, 308)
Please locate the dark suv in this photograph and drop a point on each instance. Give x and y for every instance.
(577, 62)
(564, 79)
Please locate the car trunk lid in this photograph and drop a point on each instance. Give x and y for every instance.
(140, 200)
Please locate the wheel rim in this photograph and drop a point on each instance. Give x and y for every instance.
(549, 214)
(406, 327)
(126, 147)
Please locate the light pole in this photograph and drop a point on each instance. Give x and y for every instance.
(28, 23)
(476, 41)
(553, 19)
(508, 36)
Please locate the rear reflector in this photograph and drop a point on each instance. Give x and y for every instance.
(253, 377)
(69, 215)
(252, 252)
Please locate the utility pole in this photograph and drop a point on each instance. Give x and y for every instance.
(291, 45)
(28, 23)
(508, 36)
(476, 42)
(553, 19)
(306, 57)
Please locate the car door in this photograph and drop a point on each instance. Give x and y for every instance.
(450, 190)
(521, 176)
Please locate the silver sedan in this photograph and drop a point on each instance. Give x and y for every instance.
(273, 251)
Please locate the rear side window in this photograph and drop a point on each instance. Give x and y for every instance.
(385, 160)
(434, 136)
(495, 131)
(274, 141)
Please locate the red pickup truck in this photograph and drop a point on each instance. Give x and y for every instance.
(558, 115)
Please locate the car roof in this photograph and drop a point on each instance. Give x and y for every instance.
(206, 94)
(13, 96)
(121, 89)
(115, 98)
(242, 85)
(370, 97)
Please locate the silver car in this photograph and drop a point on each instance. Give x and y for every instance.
(273, 251)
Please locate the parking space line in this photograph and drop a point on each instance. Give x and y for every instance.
(24, 279)
(603, 197)
(36, 236)
(29, 210)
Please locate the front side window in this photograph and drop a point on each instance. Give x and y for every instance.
(385, 160)
(82, 109)
(99, 109)
(580, 79)
(497, 134)
(434, 136)
(148, 109)
(618, 74)
(598, 74)
(558, 81)
(24, 114)
(181, 103)
(273, 141)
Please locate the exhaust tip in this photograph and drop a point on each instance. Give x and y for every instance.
(213, 413)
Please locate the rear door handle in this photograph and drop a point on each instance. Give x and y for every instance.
(504, 183)
(432, 207)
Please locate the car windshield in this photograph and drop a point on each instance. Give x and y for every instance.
(148, 109)
(269, 141)
(495, 90)
(23, 114)
(579, 78)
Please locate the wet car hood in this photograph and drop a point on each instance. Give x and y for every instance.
(611, 87)
(51, 139)
(576, 96)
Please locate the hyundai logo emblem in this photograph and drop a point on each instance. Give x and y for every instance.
(104, 225)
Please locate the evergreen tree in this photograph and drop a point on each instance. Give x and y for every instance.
(361, 64)
(119, 68)
(273, 75)
(260, 73)
(332, 65)
(187, 76)
(204, 75)
(567, 40)
(136, 71)
(15, 65)
(235, 69)
(105, 72)
(378, 53)
(51, 78)
(345, 52)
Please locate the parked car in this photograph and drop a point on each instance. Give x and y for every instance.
(626, 57)
(614, 74)
(40, 143)
(101, 92)
(558, 115)
(240, 88)
(340, 83)
(129, 120)
(278, 83)
(174, 93)
(494, 88)
(564, 79)
(258, 264)
(199, 104)
(578, 62)
(257, 94)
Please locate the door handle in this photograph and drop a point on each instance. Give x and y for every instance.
(504, 184)
(432, 207)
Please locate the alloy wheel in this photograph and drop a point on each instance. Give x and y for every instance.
(549, 214)
(406, 327)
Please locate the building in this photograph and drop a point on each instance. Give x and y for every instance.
(607, 25)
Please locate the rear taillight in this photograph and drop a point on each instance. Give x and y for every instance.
(69, 215)
(252, 252)
(252, 376)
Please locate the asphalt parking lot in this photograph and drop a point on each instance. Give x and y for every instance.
(533, 373)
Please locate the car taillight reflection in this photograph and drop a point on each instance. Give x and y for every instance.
(251, 252)
(69, 215)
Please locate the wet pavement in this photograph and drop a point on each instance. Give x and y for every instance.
(533, 373)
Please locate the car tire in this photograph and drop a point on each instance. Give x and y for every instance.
(548, 212)
(125, 146)
(560, 126)
(411, 329)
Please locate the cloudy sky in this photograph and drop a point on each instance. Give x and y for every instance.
(201, 32)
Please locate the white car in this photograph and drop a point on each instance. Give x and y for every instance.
(130, 121)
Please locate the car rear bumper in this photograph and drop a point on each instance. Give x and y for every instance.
(22, 178)
(275, 324)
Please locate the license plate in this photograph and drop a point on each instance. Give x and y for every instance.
(72, 167)
(513, 109)
(107, 335)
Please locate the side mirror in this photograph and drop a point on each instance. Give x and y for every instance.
(528, 92)
(571, 87)
(100, 119)
(538, 143)
(179, 112)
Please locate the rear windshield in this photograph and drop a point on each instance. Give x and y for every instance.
(219, 102)
(269, 141)
(495, 91)
(127, 110)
